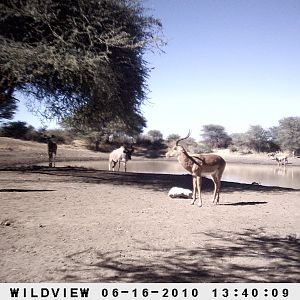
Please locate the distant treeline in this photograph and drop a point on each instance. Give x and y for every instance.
(284, 137)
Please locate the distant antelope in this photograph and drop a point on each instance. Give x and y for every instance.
(119, 155)
(281, 159)
(52, 149)
(198, 164)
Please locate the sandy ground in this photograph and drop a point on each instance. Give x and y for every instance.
(81, 225)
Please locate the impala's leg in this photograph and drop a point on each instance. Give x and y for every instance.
(199, 178)
(218, 190)
(119, 165)
(215, 180)
(125, 166)
(194, 189)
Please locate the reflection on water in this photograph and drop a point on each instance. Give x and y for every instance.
(264, 174)
(244, 173)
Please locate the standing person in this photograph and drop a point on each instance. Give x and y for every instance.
(52, 148)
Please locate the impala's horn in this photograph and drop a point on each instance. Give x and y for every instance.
(177, 142)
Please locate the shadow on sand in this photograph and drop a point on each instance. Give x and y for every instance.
(157, 182)
(250, 256)
(23, 190)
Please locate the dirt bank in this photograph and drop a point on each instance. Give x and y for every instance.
(17, 153)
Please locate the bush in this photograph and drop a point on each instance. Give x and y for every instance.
(17, 130)
(233, 148)
(24, 131)
(61, 136)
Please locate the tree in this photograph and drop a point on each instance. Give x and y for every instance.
(287, 134)
(272, 139)
(215, 136)
(172, 138)
(81, 58)
(18, 130)
(257, 138)
(8, 106)
(155, 135)
(239, 141)
(130, 125)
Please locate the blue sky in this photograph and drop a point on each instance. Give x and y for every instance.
(233, 63)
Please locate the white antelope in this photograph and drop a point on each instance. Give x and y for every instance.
(281, 159)
(198, 164)
(119, 155)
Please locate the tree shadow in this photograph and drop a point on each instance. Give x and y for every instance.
(250, 256)
(157, 182)
(244, 203)
(23, 190)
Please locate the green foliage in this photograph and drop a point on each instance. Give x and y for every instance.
(19, 130)
(155, 135)
(239, 141)
(287, 134)
(16, 130)
(79, 59)
(61, 136)
(8, 106)
(284, 137)
(215, 136)
(102, 129)
(153, 139)
(22, 130)
(143, 140)
(257, 138)
(190, 144)
(172, 138)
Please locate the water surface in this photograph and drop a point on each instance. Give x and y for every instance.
(269, 175)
